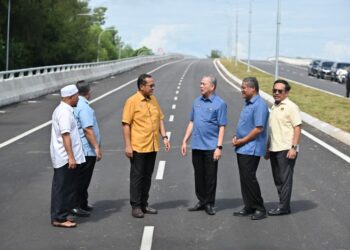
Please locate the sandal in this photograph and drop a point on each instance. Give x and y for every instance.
(65, 224)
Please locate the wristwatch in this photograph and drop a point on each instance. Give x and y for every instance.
(295, 147)
(219, 147)
(165, 137)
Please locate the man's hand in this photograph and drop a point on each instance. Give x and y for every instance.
(292, 153)
(184, 149)
(166, 144)
(236, 142)
(217, 154)
(98, 154)
(128, 151)
(72, 164)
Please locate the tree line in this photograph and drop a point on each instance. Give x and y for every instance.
(52, 32)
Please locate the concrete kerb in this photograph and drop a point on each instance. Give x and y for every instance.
(328, 129)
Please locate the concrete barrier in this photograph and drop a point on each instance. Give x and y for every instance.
(21, 85)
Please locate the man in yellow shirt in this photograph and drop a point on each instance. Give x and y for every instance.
(285, 129)
(142, 122)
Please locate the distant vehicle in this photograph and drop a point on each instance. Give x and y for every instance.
(323, 69)
(341, 75)
(311, 69)
(334, 69)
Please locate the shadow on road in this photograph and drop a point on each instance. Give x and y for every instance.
(170, 204)
(223, 204)
(103, 209)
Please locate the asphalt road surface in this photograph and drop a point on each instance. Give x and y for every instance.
(320, 200)
(299, 74)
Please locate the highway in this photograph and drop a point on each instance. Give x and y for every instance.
(320, 200)
(299, 74)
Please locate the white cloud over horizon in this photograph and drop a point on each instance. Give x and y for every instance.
(336, 50)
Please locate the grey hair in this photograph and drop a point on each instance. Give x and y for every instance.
(252, 82)
(212, 79)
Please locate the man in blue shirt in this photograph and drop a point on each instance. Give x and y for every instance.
(250, 142)
(91, 140)
(207, 125)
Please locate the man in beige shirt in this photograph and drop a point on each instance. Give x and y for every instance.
(284, 135)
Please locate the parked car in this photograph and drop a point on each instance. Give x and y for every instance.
(311, 69)
(335, 67)
(323, 68)
(341, 75)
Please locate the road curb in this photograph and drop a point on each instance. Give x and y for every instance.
(326, 128)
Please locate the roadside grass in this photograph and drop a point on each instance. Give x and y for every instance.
(328, 108)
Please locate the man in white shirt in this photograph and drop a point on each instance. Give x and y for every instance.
(66, 153)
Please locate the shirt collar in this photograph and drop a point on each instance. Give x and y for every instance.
(253, 99)
(210, 98)
(67, 105)
(83, 99)
(141, 97)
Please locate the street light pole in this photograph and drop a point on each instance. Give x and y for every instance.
(8, 35)
(99, 41)
(249, 33)
(236, 36)
(277, 38)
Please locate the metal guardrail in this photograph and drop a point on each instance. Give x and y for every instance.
(28, 72)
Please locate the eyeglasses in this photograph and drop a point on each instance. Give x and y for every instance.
(279, 91)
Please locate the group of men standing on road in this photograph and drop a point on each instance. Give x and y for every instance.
(74, 148)
(258, 134)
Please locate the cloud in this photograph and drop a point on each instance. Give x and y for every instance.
(162, 36)
(337, 51)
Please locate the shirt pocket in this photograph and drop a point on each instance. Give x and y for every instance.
(209, 115)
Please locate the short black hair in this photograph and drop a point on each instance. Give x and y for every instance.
(252, 82)
(142, 80)
(287, 87)
(83, 87)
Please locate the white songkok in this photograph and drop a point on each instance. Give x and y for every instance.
(69, 90)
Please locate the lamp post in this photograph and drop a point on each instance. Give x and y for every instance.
(277, 38)
(8, 35)
(236, 36)
(98, 43)
(249, 33)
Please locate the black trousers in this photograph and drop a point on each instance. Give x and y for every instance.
(282, 170)
(84, 174)
(205, 175)
(62, 193)
(142, 166)
(347, 88)
(251, 194)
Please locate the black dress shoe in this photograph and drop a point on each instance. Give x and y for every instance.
(196, 207)
(137, 212)
(258, 215)
(149, 210)
(209, 209)
(80, 212)
(279, 211)
(243, 212)
(88, 208)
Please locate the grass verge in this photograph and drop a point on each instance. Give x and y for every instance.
(328, 108)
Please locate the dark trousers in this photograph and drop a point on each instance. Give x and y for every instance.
(347, 88)
(205, 175)
(142, 166)
(62, 193)
(251, 194)
(282, 170)
(84, 174)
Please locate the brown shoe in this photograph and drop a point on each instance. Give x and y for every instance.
(137, 212)
(149, 210)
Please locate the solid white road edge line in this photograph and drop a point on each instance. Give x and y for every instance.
(307, 134)
(31, 131)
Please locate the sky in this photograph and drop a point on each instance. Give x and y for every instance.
(308, 29)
